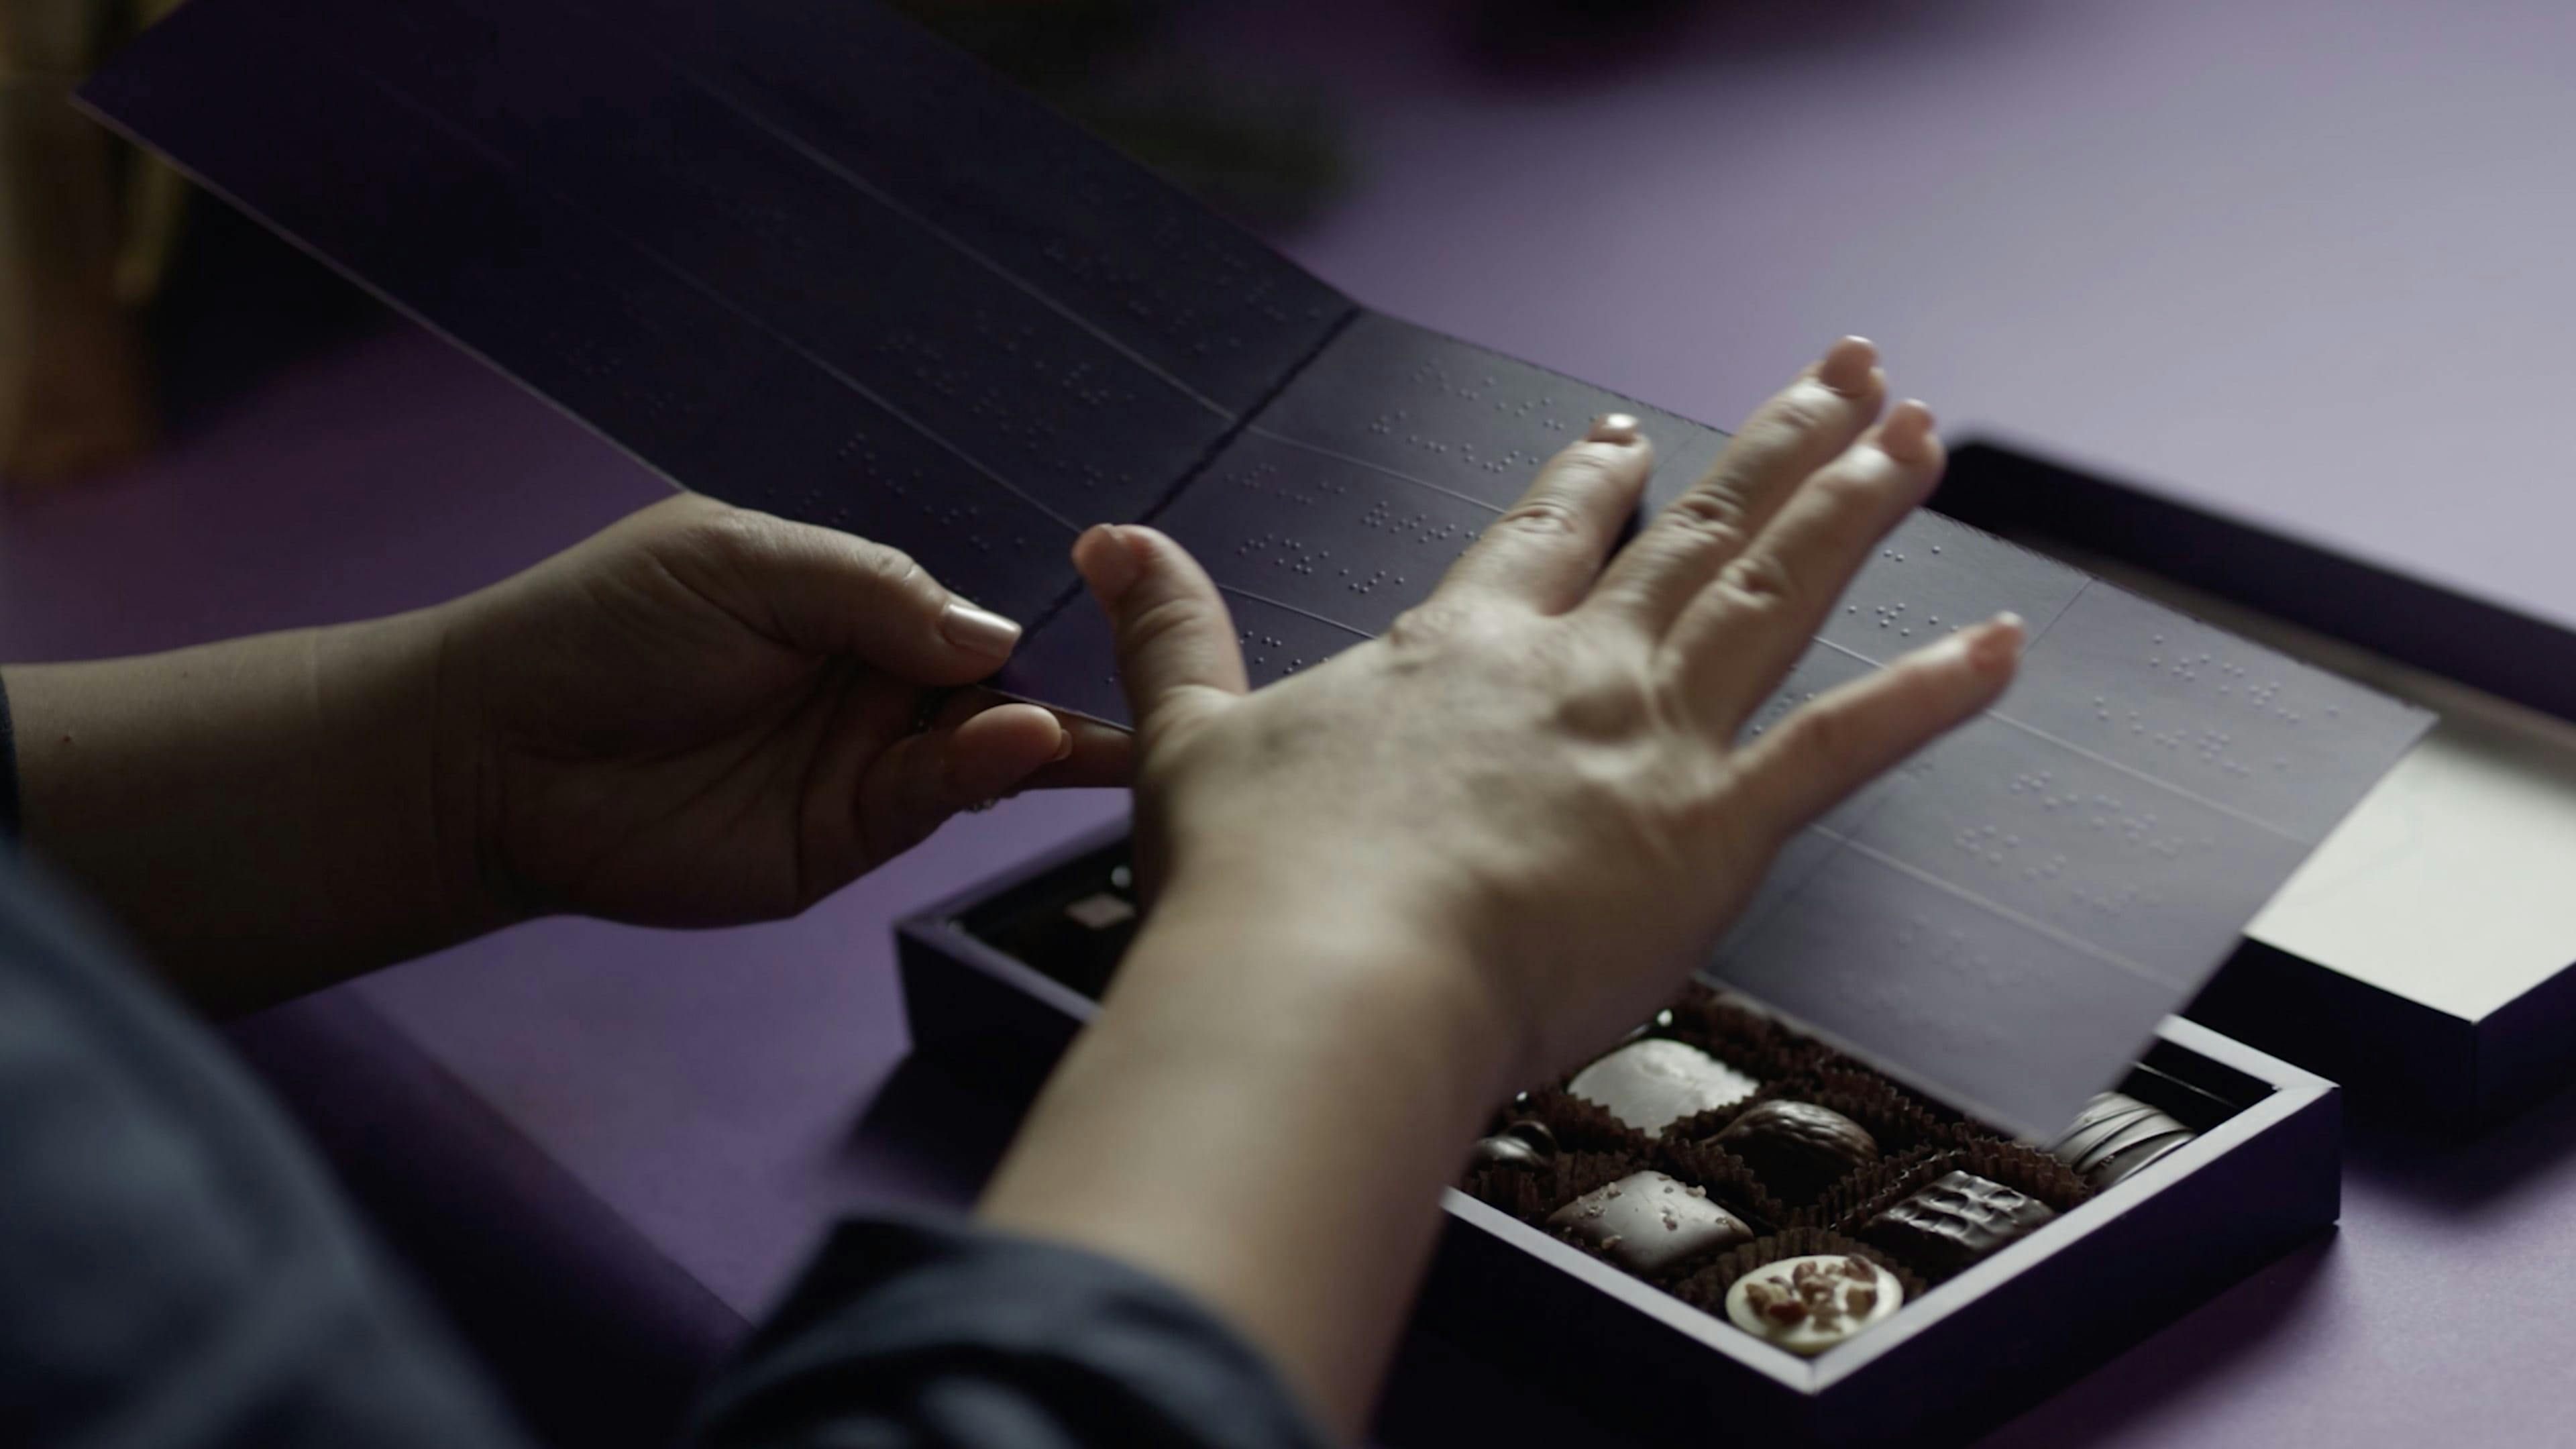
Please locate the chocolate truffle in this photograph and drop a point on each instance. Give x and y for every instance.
(1798, 1149)
(1653, 1083)
(1953, 1221)
(1650, 1224)
(1525, 1143)
(2117, 1135)
(1807, 1305)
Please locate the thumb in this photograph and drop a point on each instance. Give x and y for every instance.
(1176, 643)
(826, 592)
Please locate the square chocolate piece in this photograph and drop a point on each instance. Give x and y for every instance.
(1955, 1220)
(1654, 1082)
(1650, 1224)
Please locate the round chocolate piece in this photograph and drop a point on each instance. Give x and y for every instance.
(1798, 1149)
(1650, 1224)
(1953, 1221)
(1807, 1305)
(1507, 1152)
(1654, 1082)
(1525, 1144)
(2117, 1135)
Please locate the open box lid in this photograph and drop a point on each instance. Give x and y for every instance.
(803, 257)
(2422, 954)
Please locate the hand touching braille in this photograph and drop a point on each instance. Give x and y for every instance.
(1541, 764)
(1452, 861)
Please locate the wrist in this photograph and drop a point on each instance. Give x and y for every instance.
(1265, 1111)
(392, 720)
(453, 758)
(1386, 973)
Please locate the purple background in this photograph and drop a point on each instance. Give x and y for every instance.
(2294, 261)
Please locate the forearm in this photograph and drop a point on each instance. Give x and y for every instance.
(260, 814)
(1265, 1114)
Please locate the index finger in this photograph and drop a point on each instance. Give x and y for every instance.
(1747, 627)
(1546, 550)
(1796, 432)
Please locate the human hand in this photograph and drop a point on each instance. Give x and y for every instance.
(1536, 774)
(705, 715)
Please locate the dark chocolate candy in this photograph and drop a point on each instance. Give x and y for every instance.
(1524, 1143)
(2116, 1135)
(1798, 1149)
(1653, 1083)
(1954, 1221)
(1650, 1224)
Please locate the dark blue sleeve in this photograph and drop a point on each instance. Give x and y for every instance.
(175, 1272)
(917, 1335)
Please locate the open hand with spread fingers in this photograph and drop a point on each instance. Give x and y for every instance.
(1541, 765)
(1452, 861)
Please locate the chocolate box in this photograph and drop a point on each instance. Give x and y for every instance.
(1003, 975)
(2421, 956)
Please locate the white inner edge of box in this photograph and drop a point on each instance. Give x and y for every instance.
(2453, 883)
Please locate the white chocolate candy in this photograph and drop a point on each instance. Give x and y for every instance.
(1807, 1305)
(1655, 1081)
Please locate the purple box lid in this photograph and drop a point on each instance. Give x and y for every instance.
(805, 258)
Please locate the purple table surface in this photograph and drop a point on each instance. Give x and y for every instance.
(2190, 243)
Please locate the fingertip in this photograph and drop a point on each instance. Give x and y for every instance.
(995, 750)
(1849, 366)
(1907, 435)
(1619, 429)
(1988, 653)
(1995, 646)
(1169, 618)
(1108, 561)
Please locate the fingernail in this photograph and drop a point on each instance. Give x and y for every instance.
(1063, 745)
(1847, 365)
(1107, 561)
(977, 631)
(1997, 645)
(1618, 428)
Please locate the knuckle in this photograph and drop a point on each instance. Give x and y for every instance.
(1758, 580)
(1426, 624)
(736, 534)
(1712, 515)
(1150, 629)
(1543, 515)
(1796, 413)
(1856, 489)
(1586, 466)
(891, 568)
(1825, 740)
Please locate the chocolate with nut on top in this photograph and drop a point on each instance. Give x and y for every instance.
(1953, 1221)
(1655, 1081)
(1798, 1149)
(1650, 1224)
(1807, 1305)
(2115, 1136)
